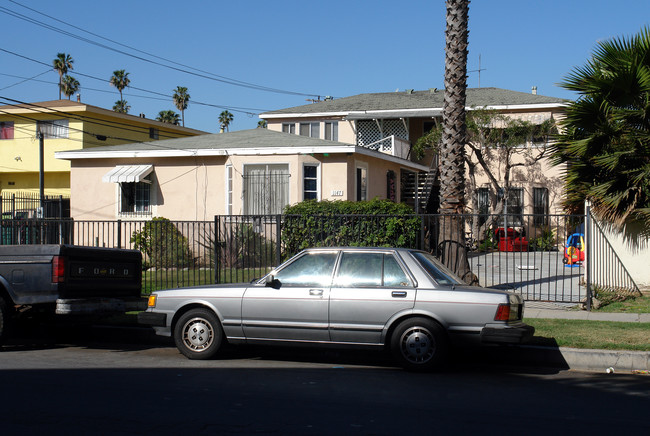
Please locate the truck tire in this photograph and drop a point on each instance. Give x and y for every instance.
(198, 334)
(5, 319)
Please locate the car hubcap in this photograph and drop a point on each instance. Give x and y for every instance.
(197, 334)
(417, 345)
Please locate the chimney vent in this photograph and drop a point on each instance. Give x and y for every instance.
(78, 98)
(534, 90)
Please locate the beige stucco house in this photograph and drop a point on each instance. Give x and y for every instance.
(256, 172)
(393, 121)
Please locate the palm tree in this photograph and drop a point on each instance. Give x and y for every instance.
(69, 86)
(120, 80)
(262, 124)
(122, 106)
(225, 118)
(606, 133)
(62, 63)
(168, 116)
(452, 150)
(181, 100)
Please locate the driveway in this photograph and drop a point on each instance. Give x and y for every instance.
(536, 275)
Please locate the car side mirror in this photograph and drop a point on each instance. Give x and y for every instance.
(272, 282)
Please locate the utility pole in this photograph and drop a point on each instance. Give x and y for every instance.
(41, 169)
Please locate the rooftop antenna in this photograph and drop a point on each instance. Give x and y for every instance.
(478, 71)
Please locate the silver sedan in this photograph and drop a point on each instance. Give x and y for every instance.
(401, 299)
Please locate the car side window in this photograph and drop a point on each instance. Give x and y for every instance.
(394, 275)
(370, 270)
(312, 269)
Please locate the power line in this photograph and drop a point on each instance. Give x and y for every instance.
(244, 110)
(201, 73)
(132, 87)
(93, 120)
(27, 79)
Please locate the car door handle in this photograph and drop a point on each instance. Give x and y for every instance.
(399, 294)
(318, 292)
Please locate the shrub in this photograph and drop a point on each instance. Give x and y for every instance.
(163, 245)
(378, 223)
(242, 247)
(544, 242)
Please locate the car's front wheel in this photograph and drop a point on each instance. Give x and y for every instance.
(419, 344)
(198, 334)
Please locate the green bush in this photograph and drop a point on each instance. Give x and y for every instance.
(163, 245)
(488, 243)
(243, 247)
(544, 242)
(374, 223)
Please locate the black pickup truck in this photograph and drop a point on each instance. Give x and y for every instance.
(68, 280)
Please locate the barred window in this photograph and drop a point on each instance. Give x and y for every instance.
(53, 129)
(135, 198)
(540, 206)
(483, 195)
(266, 189)
(515, 206)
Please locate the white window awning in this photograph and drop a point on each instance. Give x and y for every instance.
(128, 174)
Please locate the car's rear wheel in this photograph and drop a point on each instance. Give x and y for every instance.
(198, 334)
(419, 344)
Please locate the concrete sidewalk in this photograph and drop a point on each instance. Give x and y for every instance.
(582, 359)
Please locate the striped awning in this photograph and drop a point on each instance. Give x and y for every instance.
(128, 174)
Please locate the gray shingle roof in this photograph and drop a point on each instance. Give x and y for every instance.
(478, 97)
(253, 138)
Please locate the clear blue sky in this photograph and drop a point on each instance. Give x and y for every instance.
(305, 48)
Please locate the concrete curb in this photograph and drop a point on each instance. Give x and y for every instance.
(579, 359)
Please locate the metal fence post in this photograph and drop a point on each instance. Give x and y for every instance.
(278, 244)
(588, 250)
(217, 266)
(119, 233)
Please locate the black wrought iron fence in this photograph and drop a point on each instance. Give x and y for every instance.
(30, 206)
(542, 259)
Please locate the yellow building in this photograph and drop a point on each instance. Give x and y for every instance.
(65, 125)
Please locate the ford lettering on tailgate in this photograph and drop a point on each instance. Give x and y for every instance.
(92, 269)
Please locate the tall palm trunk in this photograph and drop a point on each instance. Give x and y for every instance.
(452, 152)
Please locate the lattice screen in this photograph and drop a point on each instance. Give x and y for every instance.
(368, 131)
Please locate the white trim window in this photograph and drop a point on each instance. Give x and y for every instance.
(310, 185)
(310, 129)
(53, 129)
(135, 198)
(332, 130)
(229, 174)
(289, 128)
(265, 189)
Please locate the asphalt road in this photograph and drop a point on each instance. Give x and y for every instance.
(99, 382)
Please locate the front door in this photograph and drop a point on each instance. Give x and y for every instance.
(295, 309)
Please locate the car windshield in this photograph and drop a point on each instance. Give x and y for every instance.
(436, 269)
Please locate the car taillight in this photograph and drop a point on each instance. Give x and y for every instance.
(508, 312)
(503, 313)
(58, 269)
